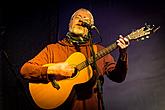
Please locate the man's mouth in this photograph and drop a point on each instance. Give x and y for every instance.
(78, 24)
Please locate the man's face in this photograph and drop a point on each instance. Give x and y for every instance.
(75, 23)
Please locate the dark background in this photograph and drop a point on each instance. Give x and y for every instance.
(27, 27)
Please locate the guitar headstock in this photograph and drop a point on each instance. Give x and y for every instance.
(142, 33)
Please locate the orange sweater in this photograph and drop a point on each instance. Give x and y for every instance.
(59, 52)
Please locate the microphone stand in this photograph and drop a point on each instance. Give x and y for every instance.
(99, 79)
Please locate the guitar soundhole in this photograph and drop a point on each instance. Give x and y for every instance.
(75, 73)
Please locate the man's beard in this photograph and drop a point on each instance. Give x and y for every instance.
(78, 30)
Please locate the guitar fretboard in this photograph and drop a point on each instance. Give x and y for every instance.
(99, 55)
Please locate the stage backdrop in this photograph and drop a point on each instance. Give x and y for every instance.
(29, 27)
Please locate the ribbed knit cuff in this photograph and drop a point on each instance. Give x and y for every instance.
(44, 74)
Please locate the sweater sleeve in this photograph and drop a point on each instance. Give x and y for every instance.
(118, 72)
(34, 70)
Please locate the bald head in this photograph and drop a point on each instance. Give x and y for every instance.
(76, 20)
(83, 10)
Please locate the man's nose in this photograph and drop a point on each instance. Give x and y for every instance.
(80, 22)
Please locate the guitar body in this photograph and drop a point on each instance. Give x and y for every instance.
(48, 97)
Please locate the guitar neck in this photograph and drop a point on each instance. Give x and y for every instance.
(99, 55)
(106, 51)
(138, 34)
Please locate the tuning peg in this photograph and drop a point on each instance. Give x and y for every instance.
(142, 38)
(147, 37)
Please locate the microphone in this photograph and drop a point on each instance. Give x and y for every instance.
(87, 25)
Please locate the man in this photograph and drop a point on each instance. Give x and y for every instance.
(77, 40)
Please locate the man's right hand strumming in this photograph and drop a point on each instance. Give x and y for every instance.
(60, 70)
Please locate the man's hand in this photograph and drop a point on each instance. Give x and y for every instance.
(60, 69)
(122, 42)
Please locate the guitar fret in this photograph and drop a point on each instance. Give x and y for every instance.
(82, 65)
(128, 37)
(106, 50)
